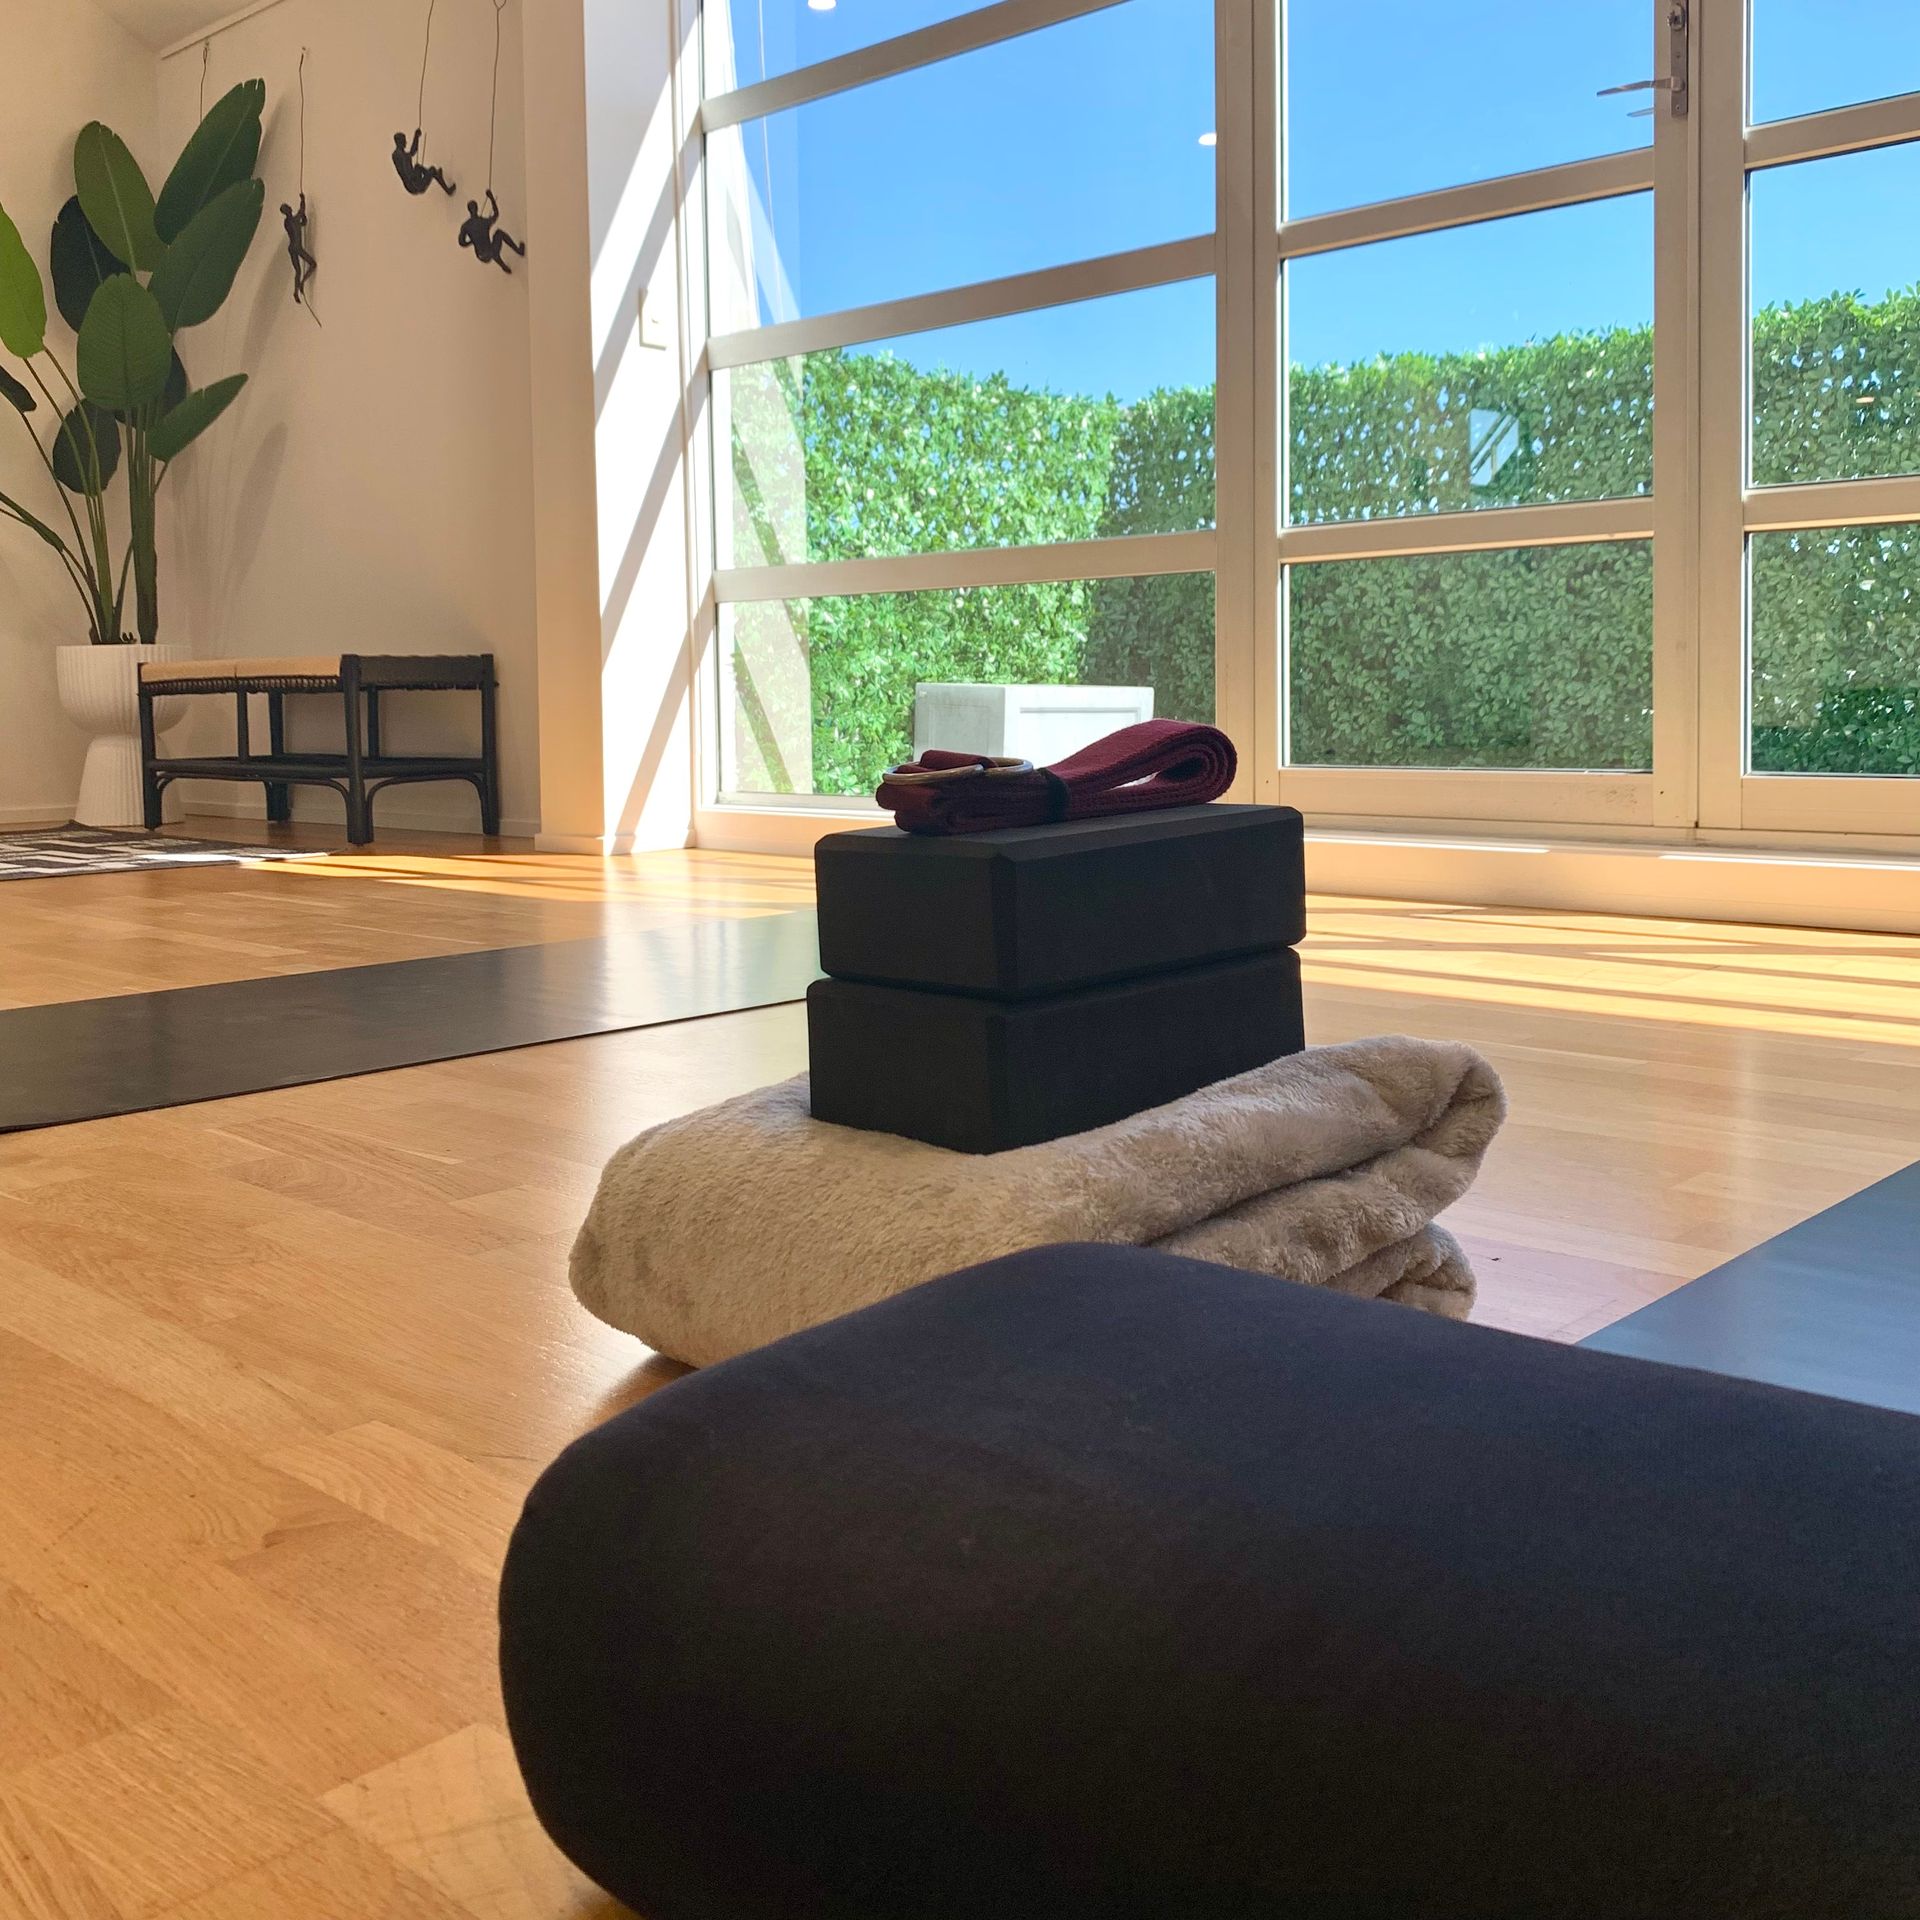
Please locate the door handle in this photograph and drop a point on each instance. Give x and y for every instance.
(1673, 83)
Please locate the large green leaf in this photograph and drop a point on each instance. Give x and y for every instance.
(73, 456)
(117, 199)
(198, 272)
(176, 391)
(192, 417)
(220, 155)
(15, 394)
(80, 262)
(23, 297)
(125, 348)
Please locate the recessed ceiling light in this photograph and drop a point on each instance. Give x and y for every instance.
(821, 6)
(1209, 139)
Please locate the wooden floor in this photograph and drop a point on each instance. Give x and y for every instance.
(419, 896)
(276, 1371)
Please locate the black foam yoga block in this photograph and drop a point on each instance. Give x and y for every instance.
(1034, 910)
(981, 1075)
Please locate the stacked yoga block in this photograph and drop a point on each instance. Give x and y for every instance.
(994, 990)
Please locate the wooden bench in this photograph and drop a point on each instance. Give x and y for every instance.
(360, 680)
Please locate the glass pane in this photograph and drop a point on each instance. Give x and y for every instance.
(1071, 423)
(749, 40)
(826, 692)
(1080, 140)
(1388, 97)
(1836, 318)
(1494, 365)
(1836, 650)
(1809, 55)
(1535, 657)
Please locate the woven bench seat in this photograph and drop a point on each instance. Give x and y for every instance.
(358, 772)
(185, 676)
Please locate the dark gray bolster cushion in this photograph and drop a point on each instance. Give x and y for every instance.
(1099, 1583)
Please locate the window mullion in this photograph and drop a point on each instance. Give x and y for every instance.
(1720, 97)
(1677, 436)
(1241, 641)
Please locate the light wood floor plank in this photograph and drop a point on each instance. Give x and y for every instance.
(59, 1689)
(42, 1876)
(437, 1499)
(167, 1810)
(457, 1815)
(339, 1877)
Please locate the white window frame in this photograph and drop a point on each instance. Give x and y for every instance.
(1464, 799)
(1697, 515)
(1732, 798)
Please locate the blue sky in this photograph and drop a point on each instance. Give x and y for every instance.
(1084, 138)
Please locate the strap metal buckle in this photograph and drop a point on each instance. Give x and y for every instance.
(987, 767)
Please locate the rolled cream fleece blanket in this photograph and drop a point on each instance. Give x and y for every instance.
(734, 1226)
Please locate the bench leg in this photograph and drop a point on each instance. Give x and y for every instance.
(279, 794)
(359, 807)
(489, 758)
(150, 790)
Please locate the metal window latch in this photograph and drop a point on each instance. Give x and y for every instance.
(1673, 83)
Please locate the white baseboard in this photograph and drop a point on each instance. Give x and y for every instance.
(607, 845)
(408, 819)
(1765, 886)
(792, 830)
(1683, 878)
(51, 815)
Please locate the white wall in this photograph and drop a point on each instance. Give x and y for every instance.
(614, 405)
(66, 63)
(454, 460)
(371, 490)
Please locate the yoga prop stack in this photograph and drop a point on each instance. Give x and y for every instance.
(1087, 1030)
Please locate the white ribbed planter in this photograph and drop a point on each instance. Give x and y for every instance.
(99, 688)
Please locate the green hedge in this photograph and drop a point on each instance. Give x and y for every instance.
(1536, 657)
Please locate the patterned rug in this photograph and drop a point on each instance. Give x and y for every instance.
(42, 853)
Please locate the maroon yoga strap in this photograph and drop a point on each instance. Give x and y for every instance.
(1156, 763)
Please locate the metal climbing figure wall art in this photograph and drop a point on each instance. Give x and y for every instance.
(296, 219)
(304, 264)
(485, 235)
(489, 241)
(415, 174)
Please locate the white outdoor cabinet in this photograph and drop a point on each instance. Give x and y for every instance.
(1041, 724)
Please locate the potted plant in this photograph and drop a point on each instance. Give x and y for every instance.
(130, 274)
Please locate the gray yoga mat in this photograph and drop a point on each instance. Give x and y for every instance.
(87, 1059)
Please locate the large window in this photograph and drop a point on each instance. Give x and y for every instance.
(965, 361)
(1487, 415)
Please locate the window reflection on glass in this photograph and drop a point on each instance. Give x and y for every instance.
(1390, 97)
(1836, 651)
(1063, 144)
(1836, 318)
(1809, 55)
(1502, 364)
(1528, 657)
(823, 690)
(1071, 423)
